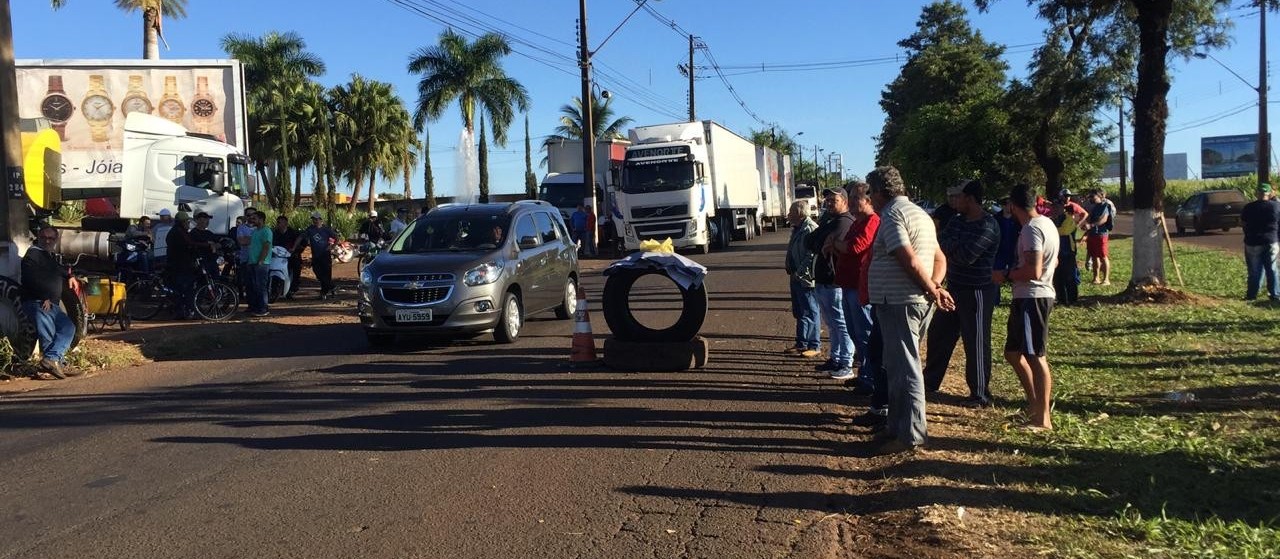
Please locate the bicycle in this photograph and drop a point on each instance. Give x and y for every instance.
(214, 299)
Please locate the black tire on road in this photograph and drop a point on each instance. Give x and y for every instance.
(616, 305)
(15, 325)
(73, 304)
(569, 300)
(510, 321)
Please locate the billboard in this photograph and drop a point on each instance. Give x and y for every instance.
(1175, 166)
(86, 101)
(1228, 156)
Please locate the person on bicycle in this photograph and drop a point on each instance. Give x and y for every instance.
(205, 243)
(181, 266)
(43, 279)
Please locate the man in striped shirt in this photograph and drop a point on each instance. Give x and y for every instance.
(905, 283)
(969, 240)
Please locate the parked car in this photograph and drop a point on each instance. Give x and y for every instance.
(471, 268)
(1210, 209)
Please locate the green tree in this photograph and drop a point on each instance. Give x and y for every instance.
(373, 130)
(428, 181)
(151, 17)
(470, 74)
(277, 67)
(572, 119)
(530, 180)
(781, 142)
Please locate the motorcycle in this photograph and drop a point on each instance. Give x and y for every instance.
(368, 251)
(278, 274)
(133, 257)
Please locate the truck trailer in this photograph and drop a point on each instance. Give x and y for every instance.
(696, 183)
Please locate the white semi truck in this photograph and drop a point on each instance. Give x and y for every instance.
(696, 183)
(562, 186)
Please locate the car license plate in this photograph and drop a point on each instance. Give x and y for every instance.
(413, 315)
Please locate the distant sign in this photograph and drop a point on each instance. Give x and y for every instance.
(1228, 156)
(1112, 169)
(1175, 166)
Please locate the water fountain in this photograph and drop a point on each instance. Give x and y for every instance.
(467, 177)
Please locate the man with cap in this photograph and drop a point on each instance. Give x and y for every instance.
(205, 243)
(320, 238)
(1261, 219)
(400, 222)
(181, 265)
(969, 240)
(372, 229)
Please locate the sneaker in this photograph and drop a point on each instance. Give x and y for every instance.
(827, 366)
(843, 373)
(260, 313)
(869, 419)
(810, 353)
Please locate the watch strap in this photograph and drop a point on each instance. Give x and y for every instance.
(202, 85)
(55, 85)
(170, 85)
(61, 129)
(135, 83)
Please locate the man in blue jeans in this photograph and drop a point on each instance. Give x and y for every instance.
(259, 265)
(1261, 218)
(835, 225)
(799, 266)
(43, 278)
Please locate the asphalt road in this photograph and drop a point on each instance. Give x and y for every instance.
(1232, 240)
(308, 445)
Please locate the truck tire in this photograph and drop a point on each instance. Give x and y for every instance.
(724, 227)
(15, 325)
(616, 305)
(73, 304)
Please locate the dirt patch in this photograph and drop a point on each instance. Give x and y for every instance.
(1152, 295)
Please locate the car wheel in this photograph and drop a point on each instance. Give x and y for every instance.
(569, 302)
(1199, 228)
(379, 339)
(510, 321)
(1181, 230)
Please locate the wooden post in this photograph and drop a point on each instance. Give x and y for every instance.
(1169, 242)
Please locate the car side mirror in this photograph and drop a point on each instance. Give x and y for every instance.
(527, 243)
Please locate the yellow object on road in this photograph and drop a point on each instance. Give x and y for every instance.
(650, 245)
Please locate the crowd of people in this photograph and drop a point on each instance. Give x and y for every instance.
(885, 276)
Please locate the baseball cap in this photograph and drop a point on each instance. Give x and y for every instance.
(317, 215)
(373, 213)
(1264, 188)
(203, 214)
(182, 216)
(1064, 194)
(164, 212)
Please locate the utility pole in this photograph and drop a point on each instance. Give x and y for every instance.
(12, 207)
(588, 119)
(692, 115)
(1124, 159)
(817, 172)
(1264, 144)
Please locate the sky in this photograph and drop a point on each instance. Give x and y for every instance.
(814, 68)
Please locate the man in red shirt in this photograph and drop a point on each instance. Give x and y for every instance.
(853, 256)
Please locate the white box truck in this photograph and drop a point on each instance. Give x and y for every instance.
(776, 192)
(562, 186)
(696, 183)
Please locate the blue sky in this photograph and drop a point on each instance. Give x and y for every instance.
(835, 107)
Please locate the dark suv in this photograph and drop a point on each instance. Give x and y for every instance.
(471, 268)
(1210, 209)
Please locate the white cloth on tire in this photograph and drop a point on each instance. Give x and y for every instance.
(686, 273)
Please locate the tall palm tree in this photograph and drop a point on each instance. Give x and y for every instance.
(373, 125)
(276, 68)
(571, 120)
(472, 75)
(409, 160)
(151, 17)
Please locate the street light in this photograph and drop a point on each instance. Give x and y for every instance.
(1263, 145)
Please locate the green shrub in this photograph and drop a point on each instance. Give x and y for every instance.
(71, 212)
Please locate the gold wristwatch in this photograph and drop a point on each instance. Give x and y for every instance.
(171, 106)
(135, 100)
(203, 108)
(57, 107)
(97, 108)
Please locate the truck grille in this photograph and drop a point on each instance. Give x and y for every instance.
(678, 210)
(420, 296)
(660, 231)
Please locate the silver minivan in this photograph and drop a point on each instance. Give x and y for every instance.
(471, 268)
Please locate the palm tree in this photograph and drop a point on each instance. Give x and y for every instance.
(276, 68)
(472, 75)
(571, 119)
(151, 12)
(373, 125)
(409, 160)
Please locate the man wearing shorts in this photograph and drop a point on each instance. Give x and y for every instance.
(1097, 231)
(1028, 328)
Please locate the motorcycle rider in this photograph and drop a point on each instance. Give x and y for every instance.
(372, 229)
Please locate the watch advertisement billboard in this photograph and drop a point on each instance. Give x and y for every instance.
(86, 102)
(1228, 156)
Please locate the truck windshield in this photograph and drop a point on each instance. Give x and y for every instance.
(453, 234)
(805, 192)
(237, 177)
(562, 195)
(639, 178)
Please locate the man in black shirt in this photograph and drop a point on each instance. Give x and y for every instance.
(287, 237)
(181, 265)
(205, 244)
(42, 280)
(1261, 219)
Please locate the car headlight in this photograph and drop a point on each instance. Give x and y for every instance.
(483, 274)
(366, 277)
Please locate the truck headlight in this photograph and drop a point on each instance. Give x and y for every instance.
(483, 274)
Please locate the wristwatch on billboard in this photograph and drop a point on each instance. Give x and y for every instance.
(135, 100)
(97, 108)
(171, 106)
(202, 107)
(57, 107)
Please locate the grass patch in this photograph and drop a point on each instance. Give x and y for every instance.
(1167, 431)
(94, 355)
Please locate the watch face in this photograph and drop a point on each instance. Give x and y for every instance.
(97, 108)
(57, 108)
(171, 109)
(203, 108)
(136, 104)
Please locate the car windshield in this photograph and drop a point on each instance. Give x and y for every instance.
(453, 233)
(561, 195)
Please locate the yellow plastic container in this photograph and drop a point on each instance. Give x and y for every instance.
(103, 296)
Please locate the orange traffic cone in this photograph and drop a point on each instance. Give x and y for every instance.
(583, 353)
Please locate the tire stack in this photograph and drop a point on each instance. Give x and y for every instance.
(636, 347)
